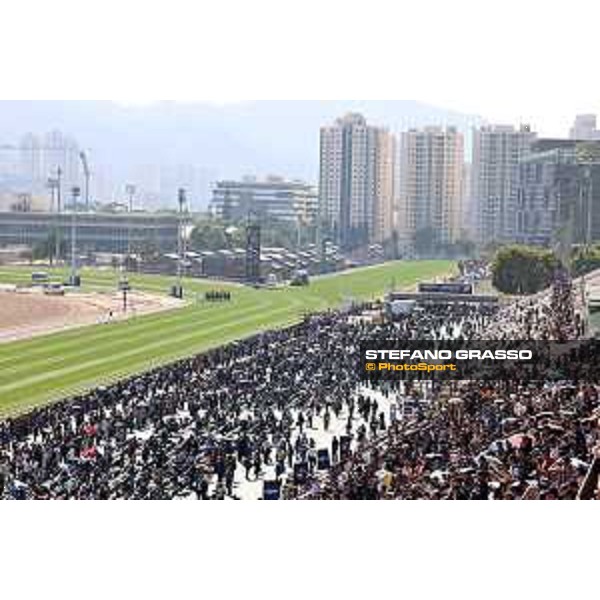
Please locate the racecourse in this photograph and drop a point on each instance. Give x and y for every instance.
(44, 369)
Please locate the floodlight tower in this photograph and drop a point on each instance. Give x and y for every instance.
(52, 185)
(58, 209)
(58, 189)
(130, 191)
(181, 238)
(86, 173)
(75, 193)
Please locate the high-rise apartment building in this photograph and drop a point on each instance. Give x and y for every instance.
(497, 153)
(584, 128)
(62, 151)
(356, 186)
(10, 163)
(41, 157)
(31, 158)
(470, 219)
(431, 186)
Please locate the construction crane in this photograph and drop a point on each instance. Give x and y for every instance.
(86, 173)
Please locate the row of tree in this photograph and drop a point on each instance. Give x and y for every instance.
(215, 234)
(520, 269)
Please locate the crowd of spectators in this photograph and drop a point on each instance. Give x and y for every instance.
(287, 409)
(500, 440)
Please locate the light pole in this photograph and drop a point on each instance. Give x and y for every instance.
(86, 173)
(130, 191)
(58, 210)
(181, 250)
(124, 287)
(52, 185)
(59, 189)
(75, 193)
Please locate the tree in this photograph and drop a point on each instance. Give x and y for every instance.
(210, 234)
(215, 234)
(586, 260)
(279, 234)
(522, 269)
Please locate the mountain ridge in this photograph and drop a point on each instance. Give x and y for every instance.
(254, 137)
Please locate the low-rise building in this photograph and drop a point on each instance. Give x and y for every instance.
(95, 232)
(278, 198)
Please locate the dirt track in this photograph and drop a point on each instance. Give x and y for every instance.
(27, 314)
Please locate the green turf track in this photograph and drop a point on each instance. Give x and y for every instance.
(47, 368)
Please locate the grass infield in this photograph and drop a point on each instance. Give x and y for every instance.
(45, 369)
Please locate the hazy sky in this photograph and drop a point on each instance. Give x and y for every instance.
(509, 60)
